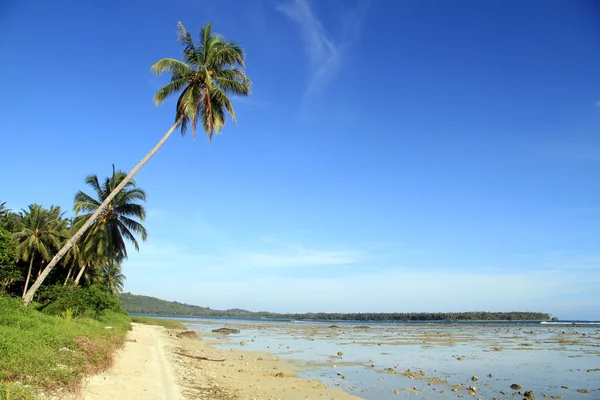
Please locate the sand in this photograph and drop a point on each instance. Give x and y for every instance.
(158, 364)
(140, 371)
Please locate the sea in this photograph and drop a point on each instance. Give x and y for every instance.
(430, 360)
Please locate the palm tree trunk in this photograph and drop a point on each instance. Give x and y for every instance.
(38, 282)
(80, 274)
(68, 275)
(28, 276)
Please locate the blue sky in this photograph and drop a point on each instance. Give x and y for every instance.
(393, 156)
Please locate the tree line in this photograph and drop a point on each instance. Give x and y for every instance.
(29, 238)
(136, 304)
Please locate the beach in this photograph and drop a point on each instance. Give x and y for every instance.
(160, 364)
(279, 360)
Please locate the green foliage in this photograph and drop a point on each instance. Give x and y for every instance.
(135, 304)
(8, 248)
(39, 352)
(105, 239)
(16, 391)
(211, 70)
(91, 301)
(167, 323)
(9, 271)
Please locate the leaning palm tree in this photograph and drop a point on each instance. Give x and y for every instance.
(210, 70)
(38, 237)
(105, 240)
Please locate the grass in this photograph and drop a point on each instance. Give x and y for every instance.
(44, 354)
(167, 323)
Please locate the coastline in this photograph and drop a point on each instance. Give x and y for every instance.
(159, 363)
(239, 374)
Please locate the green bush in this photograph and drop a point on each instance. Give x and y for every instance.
(41, 353)
(79, 301)
(9, 272)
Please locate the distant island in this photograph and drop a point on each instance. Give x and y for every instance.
(136, 304)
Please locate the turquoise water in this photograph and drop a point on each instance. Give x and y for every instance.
(391, 361)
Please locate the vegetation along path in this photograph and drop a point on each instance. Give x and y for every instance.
(141, 371)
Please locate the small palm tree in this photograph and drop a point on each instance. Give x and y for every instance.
(113, 277)
(105, 240)
(210, 70)
(39, 236)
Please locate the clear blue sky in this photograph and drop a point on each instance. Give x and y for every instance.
(394, 155)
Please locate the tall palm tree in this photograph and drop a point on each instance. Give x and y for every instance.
(210, 70)
(105, 240)
(38, 237)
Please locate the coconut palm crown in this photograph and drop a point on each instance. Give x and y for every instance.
(116, 223)
(210, 71)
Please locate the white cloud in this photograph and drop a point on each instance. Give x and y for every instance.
(324, 53)
(165, 255)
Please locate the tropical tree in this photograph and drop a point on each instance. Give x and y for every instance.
(112, 277)
(39, 235)
(3, 209)
(9, 272)
(105, 240)
(210, 70)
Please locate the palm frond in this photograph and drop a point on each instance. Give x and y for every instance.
(168, 90)
(205, 37)
(131, 210)
(126, 234)
(176, 67)
(234, 81)
(92, 180)
(226, 54)
(135, 227)
(190, 54)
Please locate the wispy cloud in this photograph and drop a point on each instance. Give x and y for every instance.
(302, 257)
(324, 52)
(165, 255)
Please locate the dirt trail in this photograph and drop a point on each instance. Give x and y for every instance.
(141, 371)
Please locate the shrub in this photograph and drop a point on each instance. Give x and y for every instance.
(9, 272)
(78, 301)
(42, 353)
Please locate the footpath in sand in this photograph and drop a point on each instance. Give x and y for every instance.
(161, 364)
(141, 371)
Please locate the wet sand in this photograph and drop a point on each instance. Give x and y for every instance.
(214, 374)
(430, 361)
(161, 364)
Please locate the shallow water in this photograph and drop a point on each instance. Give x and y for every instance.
(391, 361)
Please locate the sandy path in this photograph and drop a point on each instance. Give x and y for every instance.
(161, 364)
(141, 371)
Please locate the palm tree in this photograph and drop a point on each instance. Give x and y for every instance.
(112, 277)
(105, 240)
(38, 236)
(210, 71)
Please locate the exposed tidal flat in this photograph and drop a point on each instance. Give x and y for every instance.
(428, 361)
